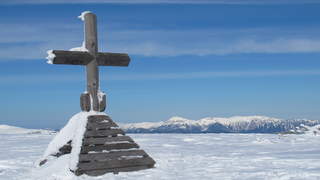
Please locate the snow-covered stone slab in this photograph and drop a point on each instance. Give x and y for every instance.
(67, 136)
(106, 148)
(97, 145)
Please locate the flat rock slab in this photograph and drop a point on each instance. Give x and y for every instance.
(106, 149)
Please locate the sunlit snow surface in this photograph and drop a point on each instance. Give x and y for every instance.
(181, 156)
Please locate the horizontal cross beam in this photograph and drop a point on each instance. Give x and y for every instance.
(83, 58)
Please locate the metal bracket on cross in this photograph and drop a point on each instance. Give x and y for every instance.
(95, 143)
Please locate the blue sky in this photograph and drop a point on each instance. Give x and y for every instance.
(189, 58)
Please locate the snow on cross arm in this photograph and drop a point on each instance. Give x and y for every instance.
(50, 56)
(81, 48)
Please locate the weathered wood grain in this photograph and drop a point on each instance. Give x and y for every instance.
(42, 162)
(71, 57)
(66, 149)
(83, 58)
(103, 140)
(113, 59)
(111, 155)
(91, 44)
(111, 170)
(101, 126)
(97, 122)
(85, 103)
(108, 147)
(98, 118)
(94, 165)
(103, 133)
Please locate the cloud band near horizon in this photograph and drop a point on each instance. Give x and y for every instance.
(67, 78)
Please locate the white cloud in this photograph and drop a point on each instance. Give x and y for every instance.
(25, 41)
(215, 74)
(74, 78)
(213, 41)
(159, 1)
(33, 41)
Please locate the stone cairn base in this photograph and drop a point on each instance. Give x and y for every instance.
(106, 149)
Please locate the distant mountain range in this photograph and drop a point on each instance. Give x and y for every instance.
(235, 124)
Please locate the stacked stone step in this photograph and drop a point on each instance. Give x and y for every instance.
(106, 148)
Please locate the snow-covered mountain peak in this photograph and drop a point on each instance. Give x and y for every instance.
(145, 125)
(248, 119)
(236, 120)
(179, 120)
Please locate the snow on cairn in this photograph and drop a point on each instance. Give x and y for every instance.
(73, 131)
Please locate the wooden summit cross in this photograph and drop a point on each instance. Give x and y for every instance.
(104, 146)
(91, 58)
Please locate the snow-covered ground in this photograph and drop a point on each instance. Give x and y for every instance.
(6, 129)
(180, 156)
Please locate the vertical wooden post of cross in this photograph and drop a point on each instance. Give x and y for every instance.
(91, 44)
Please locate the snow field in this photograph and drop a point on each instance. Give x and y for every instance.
(181, 156)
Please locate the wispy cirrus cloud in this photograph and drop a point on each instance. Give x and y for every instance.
(21, 41)
(69, 78)
(24, 41)
(159, 1)
(215, 74)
